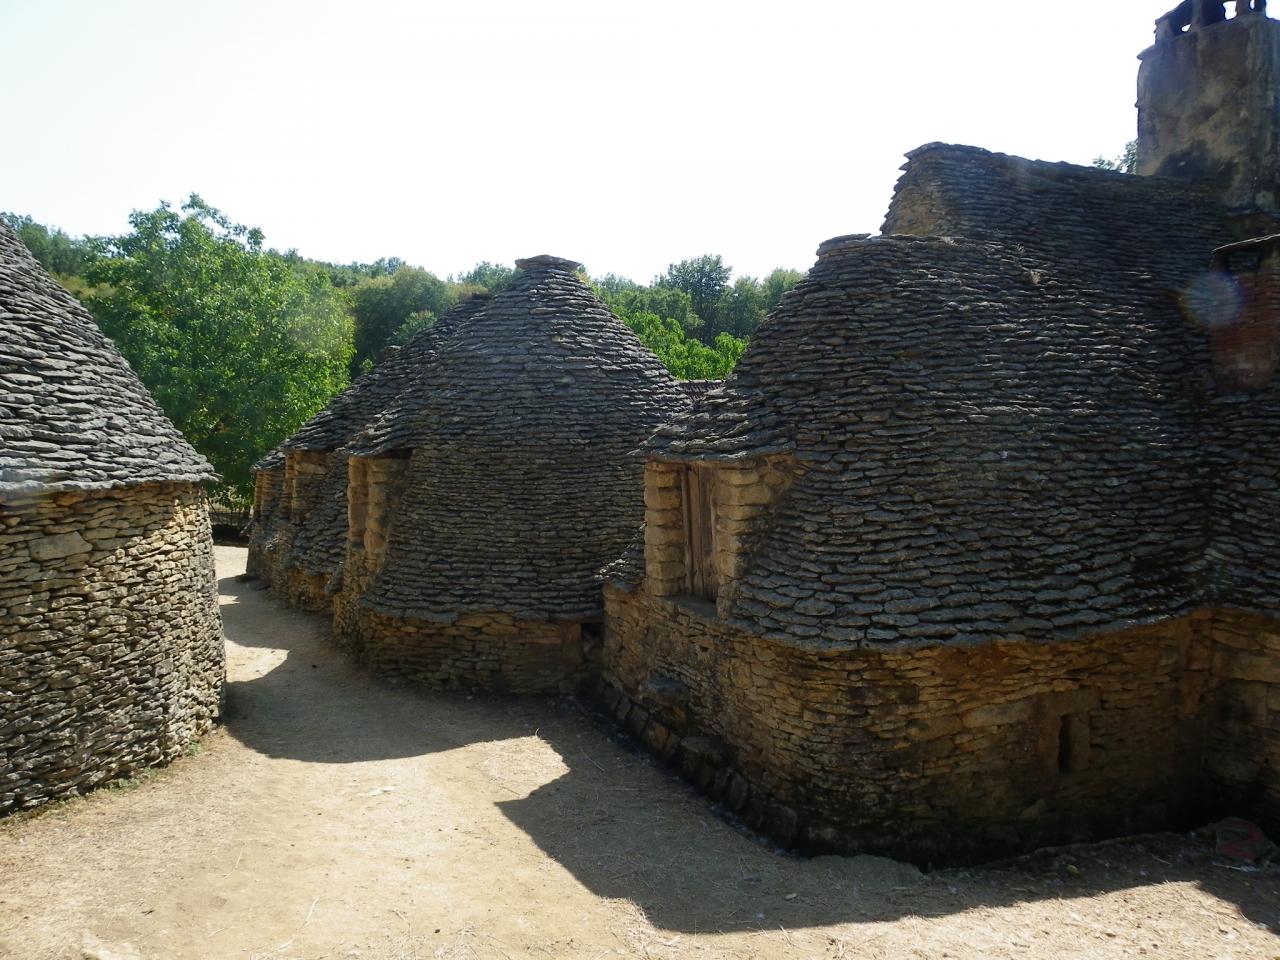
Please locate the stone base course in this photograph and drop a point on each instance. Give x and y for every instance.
(111, 649)
(480, 651)
(954, 754)
(490, 651)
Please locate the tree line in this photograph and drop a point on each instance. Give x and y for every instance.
(240, 344)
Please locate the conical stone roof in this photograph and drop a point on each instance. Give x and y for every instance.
(524, 479)
(320, 540)
(357, 406)
(73, 415)
(988, 443)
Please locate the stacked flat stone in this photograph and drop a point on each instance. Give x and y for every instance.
(993, 555)
(111, 655)
(318, 542)
(997, 439)
(524, 478)
(1108, 224)
(1143, 242)
(697, 389)
(364, 401)
(73, 415)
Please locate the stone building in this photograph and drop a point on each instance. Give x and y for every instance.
(484, 503)
(975, 551)
(111, 654)
(298, 534)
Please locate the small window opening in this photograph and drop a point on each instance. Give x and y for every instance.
(592, 640)
(1064, 745)
(1073, 743)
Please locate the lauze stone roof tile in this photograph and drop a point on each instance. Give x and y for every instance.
(1010, 432)
(525, 477)
(73, 415)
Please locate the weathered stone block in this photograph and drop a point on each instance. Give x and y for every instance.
(58, 546)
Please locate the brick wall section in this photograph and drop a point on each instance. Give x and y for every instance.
(283, 503)
(298, 588)
(111, 655)
(948, 754)
(302, 472)
(374, 486)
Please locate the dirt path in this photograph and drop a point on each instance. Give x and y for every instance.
(335, 816)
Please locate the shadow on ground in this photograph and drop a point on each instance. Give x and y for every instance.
(627, 829)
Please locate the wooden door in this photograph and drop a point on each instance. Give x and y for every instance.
(699, 528)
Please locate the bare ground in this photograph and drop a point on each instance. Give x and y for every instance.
(335, 816)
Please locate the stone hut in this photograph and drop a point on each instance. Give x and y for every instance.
(299, 531)
(484, 504)
(111, 655)
(974, 552)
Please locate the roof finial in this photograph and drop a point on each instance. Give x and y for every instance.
(545, 261)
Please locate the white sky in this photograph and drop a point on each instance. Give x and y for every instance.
(625, 135)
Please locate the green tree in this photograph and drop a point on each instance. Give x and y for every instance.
(238, 347)
(686, 358)
(59, 253)
(382, 305)
(626, 297)
(705, 279)
(740, 308)
(486, 276)
(776, 284)
(416, 322)
(1127, 162)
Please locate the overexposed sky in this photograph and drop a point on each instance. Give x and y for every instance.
(626, 135)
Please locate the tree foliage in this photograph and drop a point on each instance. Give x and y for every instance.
(705, 279)
(383, 305)
(241, 344)
(60, 254)
(685, 357)
(490, 277)
(715, 305)
(1127, 162)
(238, 347)
(415, 323)
(627, 298)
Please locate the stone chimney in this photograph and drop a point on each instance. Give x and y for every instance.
(1207, 101)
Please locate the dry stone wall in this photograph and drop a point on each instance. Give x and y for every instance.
(285, 500)
(268, 496)
(111, 654)
(952, 754)
(479, 563)
(471, 649)
(1206, 106)
(1243, 754)
(977, 513)
(738, 495)
(478, 651)
(299, 550)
